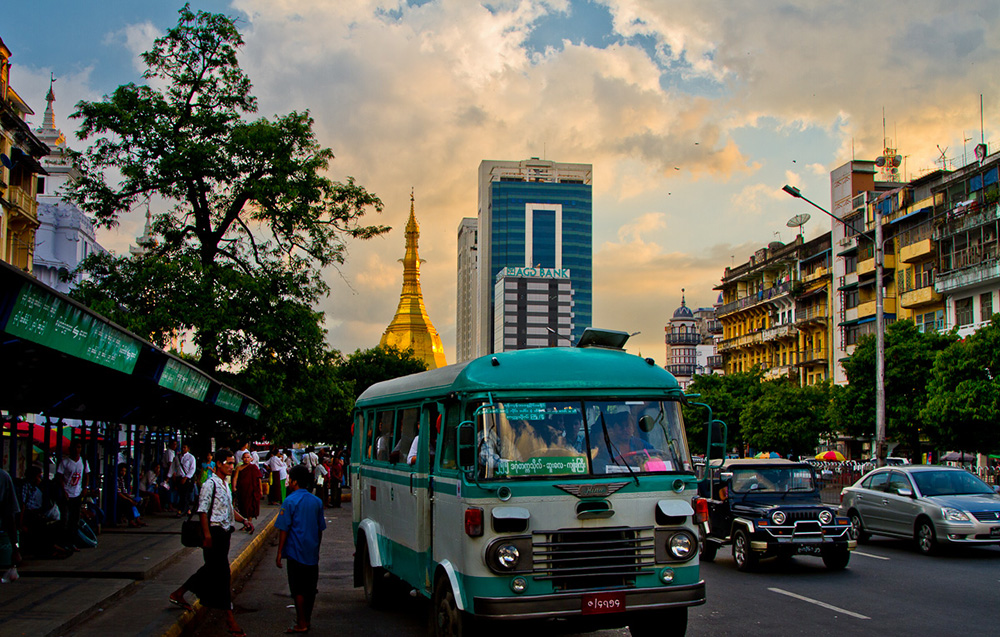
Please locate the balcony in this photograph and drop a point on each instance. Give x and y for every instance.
(714, 326)
(946, 282)
(817, 274)
(756, 298)
(683, 338)
(812, 313)
(778, 332)
(919, 251)
(23, 200)
(682, 370)
(715, 361)
(920, 297)
(779, 371)
(868, 307)
(812, 356)
(868, 265)
(752, 338)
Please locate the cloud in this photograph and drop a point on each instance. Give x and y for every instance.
(136, 39)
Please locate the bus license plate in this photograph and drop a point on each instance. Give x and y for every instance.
(599, 603)
(995, 531)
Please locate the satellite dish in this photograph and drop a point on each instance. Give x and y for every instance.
(798, 220)
(775, 245)
(980, 152)
(880, 162)
(897, 160)
(5, 160)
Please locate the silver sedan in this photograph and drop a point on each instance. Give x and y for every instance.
(934, 505)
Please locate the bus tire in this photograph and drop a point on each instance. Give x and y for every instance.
(708, 550)
(446, 619)
(670, 622)
(372, 578)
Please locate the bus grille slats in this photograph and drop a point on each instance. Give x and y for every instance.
(604, 557)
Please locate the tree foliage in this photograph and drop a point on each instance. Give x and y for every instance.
(964, 406)
(787, 418)
(909, 356)
(364, 368)
(253, 221)
(727, 395)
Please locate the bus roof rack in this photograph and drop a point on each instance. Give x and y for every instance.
(608, 339)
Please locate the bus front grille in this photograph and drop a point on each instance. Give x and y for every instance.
(593, 558)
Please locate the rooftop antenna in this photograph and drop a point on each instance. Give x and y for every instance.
(798, 221)
(943, 159)
(981, 147)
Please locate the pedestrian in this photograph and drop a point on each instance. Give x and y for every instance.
(211, 582)
(166, 464)
(10, 552)
(300, 525)
(276, 494)
(310, 459)
(149, 490)
(321, 479)
(71, 475)
(182, 474)
(246, 484)
(336, 476)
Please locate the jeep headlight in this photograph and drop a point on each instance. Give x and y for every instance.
(778, 517)
(681, 546)
(507, 557)
(825, 517)
(954, 515)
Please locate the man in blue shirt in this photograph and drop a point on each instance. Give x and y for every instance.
(300, 525)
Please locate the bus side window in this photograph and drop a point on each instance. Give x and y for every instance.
(449, 439)
(371, 426)
(383, 440)
(430, 425)
(405, 434)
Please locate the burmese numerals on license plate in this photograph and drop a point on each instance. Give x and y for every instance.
(598, 603)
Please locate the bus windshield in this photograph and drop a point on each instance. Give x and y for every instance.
(577, 438)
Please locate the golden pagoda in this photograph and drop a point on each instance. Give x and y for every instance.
(411, 327)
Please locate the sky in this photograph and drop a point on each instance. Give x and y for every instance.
(693, 114)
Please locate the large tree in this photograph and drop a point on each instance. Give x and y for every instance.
(727, 395)
(254, 220)
(964, 405)
(364, 368)
(909, 356)
(787, 418)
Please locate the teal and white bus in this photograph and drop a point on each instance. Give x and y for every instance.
(543, 483)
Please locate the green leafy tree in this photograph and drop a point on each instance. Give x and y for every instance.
(909, 356)
(964, 393)
(254, 220)
(787, 418)
(727, 395)
(364, 368)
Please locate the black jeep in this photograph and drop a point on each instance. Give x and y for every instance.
(772, 508)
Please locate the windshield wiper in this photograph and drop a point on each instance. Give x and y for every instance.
(613, 451)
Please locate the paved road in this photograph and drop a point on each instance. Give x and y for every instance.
(888, 589)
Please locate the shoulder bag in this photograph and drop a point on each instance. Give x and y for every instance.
(191, 531)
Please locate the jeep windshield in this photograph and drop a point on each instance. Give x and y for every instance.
(518, 439)
(773, 480)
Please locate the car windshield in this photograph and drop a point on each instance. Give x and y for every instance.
(773, 480)
(949, 483)
(566, 438)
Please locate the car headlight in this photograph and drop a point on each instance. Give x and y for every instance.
(778, 517)
(507, 556)
(681, 545)
(954, 515)
(825, 517)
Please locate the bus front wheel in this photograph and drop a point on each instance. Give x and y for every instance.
(373, 578)
(671, 622)
(446, 619)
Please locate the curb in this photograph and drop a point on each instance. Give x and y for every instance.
(235, 568)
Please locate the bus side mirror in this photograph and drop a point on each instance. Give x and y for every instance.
(466, 446)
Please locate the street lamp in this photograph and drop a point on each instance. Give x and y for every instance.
(880, 446)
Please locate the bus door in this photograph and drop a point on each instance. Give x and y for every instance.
(421, 488)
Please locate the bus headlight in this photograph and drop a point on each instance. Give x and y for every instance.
(681, 546)
(507, 557)
(825, 517)
(778, 517)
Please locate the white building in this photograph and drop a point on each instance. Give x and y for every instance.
(534, 308)
(65, 235)
(465, 315)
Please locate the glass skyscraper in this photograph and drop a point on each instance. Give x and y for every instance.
(534, 214)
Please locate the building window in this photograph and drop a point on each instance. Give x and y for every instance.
(851, 298)
(986, 306)
(963, 311)
(850, 264)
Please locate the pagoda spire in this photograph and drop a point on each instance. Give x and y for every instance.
(49, 119)
(411, 327)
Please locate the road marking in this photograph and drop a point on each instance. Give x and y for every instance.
(819, 603)
(877, 557)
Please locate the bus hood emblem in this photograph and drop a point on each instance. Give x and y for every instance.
(592, 490)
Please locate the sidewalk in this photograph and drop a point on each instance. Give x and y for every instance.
(121, 586)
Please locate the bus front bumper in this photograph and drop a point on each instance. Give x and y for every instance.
(571, 603)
